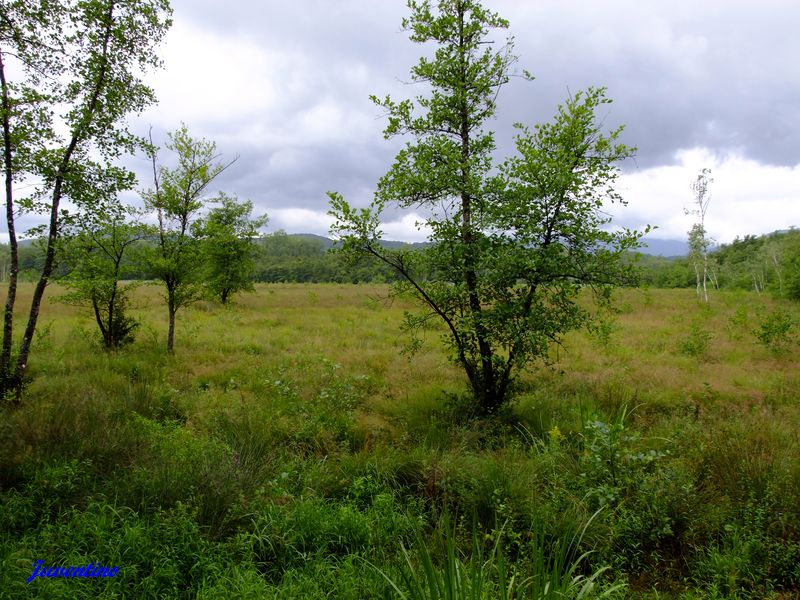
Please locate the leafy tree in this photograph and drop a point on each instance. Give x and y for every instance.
(177, 196)
(69, 74)
(94, 255)
(229, 246)
(511, 246)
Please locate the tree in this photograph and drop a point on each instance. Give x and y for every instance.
(69, 74)
(791, 260)
(699, 242)
(511, 247)
(773, 252)
(94, 255)
(229, 246)
(177, 196)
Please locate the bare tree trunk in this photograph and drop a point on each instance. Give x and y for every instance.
(712, 275)
(777, 266)
(758, 284)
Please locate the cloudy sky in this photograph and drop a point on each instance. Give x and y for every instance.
(285, 86)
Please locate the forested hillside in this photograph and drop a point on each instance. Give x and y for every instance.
(769, 263)
(280, 258)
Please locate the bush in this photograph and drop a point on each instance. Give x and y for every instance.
(696, 344)
(776, 332)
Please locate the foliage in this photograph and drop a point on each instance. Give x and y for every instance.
(511, 246)
(697, 342)
(610, 462)
(274, 456)
(767, 263)
(94, 253)
(229, 248)
(304, 259)
(177, 195)
(69, 75)
(776, 332)
(278, 258)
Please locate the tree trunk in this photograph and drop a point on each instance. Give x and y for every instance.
(99, 319)
(6, 382)
(487, 394)
(112, 332)
(777, 266)
(47, 269)
(171, 332)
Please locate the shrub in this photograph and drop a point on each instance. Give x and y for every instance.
(610, 464)
(776, 332)
(696, 344)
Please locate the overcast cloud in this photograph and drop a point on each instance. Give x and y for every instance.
(285, 87)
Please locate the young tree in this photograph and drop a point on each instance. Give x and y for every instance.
(94, 254)
(773, 252)
(510, 249)
(177, 196)
(699, 242)
(229, 245)
(69, 74)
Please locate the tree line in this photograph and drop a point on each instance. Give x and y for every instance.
(277, 258)
(768, 263)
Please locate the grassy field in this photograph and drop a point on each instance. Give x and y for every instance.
(290, 450)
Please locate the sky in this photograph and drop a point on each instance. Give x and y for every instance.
(285, 86)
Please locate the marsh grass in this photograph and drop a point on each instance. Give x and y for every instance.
(553, 569)
(288, 440)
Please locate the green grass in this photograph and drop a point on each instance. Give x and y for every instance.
(288, 445)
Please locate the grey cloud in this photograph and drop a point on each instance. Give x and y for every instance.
(672, 67)
(350, 169)
(717, 74)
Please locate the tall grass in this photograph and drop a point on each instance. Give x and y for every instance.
(550, 570)
(288, 441)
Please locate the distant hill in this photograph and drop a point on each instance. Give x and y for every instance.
(662, 247)
(327, 243)
(654, 246)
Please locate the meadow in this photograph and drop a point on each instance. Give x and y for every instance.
(292, 449)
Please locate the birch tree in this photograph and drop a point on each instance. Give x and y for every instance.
(70, 72)
(177, 197)
(699, 242)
